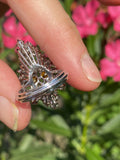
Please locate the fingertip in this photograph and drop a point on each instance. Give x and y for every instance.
(110, 2)
(83, 85)
(15, 116)
(24, 116)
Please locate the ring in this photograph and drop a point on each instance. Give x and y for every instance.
(39, 78)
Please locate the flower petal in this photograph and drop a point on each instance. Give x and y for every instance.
(114, 11)
(79, 15)
(92, 6)
(10, 26)
(117, 24)
(108, 68)
(111, 50)
(8, 13)
(117, 77)
(21, 30)
(28, 38)
(8, 42)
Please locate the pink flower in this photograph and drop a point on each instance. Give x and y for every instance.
(110, 66)
(12, 31)
(28, 38)
(115, 15)
(8, 13)
(85, 18)
(10, 26)
(103, 18)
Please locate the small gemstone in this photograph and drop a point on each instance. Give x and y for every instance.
(34, 79)
(44, 74)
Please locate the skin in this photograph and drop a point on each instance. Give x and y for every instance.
(66, 52)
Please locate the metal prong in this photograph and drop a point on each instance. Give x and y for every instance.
(42, 83)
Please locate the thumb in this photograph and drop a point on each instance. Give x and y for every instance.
(14, 114)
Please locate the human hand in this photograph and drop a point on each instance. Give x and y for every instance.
(56, 34)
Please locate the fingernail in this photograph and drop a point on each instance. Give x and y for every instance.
(15, 114)
(8, 113)
(89, 68)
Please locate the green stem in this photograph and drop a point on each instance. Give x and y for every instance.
(81, 142)
(85, 129)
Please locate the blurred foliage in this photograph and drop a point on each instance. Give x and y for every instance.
(87, 127)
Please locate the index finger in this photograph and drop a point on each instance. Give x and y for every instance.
(110, 2)
(56, 34)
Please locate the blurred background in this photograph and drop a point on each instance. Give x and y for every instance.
(87, 126)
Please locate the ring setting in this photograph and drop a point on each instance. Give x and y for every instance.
(40, 79)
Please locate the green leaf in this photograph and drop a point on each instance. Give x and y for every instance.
(111, 126)
(4, 54)
(109, 99)
(67, 4)
(90, 45)
(49, 157)
(26, 142)
(51, 127)
(33, 152)
(91, 155)
(59, 121)
(94, 45)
